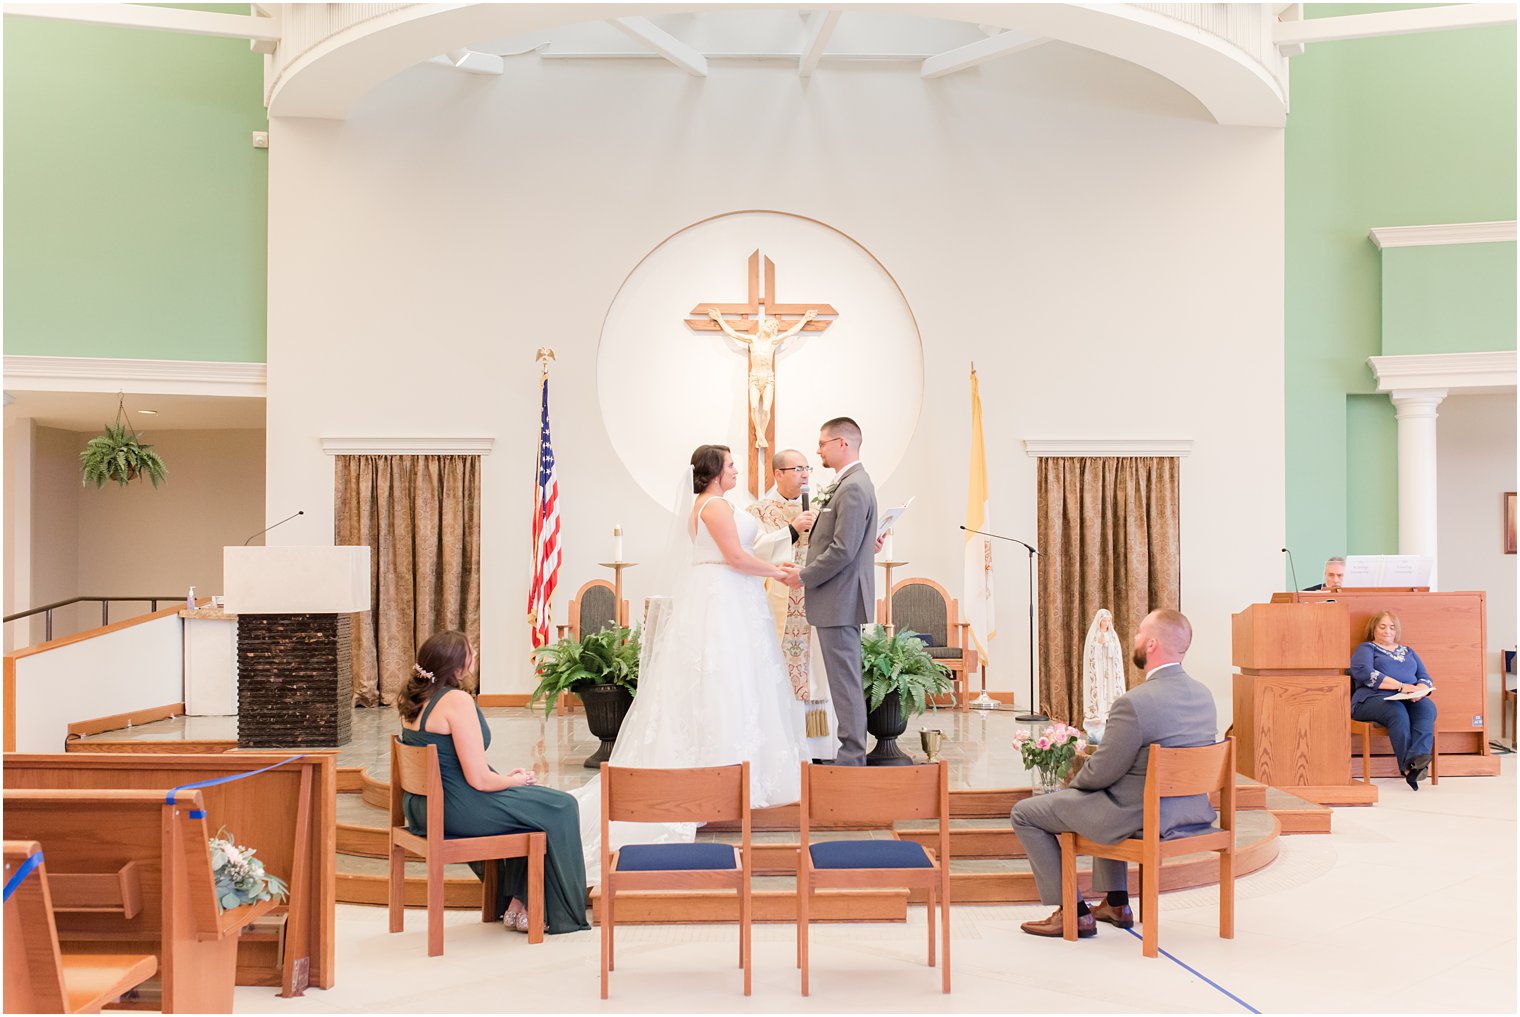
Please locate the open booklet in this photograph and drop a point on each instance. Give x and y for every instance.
(1406, 695)
(889, 518)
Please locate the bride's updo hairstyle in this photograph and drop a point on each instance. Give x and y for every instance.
(440, 665)
(706, 464)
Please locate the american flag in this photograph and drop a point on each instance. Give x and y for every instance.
(546, 549)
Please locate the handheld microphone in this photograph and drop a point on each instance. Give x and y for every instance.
(271, 526)
(1291, 570)
(805, 493)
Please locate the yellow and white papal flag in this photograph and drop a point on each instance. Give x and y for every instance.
(976, 600)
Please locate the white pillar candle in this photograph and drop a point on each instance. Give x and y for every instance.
(617, 542)
(886, 548)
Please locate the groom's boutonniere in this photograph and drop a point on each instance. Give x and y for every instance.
(826, 495)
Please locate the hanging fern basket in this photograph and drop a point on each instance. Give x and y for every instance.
(120, 455)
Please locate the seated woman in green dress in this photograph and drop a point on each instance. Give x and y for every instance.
(478, 801)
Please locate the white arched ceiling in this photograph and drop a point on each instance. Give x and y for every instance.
(332, 74)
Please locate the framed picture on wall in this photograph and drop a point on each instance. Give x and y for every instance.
(1509, 522)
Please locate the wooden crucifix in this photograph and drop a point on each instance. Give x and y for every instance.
(758, 325)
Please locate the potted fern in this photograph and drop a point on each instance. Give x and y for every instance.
(120, 455)
(602, 668)
(900, 679)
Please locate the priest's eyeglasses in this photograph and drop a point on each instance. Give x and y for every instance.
(794, 469)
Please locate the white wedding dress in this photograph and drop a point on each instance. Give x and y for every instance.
(712, 691)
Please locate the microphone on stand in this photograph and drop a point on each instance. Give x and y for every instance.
(1033, 716)
(271, 526)
(1293, 572)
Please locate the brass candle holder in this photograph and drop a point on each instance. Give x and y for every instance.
(931, 739)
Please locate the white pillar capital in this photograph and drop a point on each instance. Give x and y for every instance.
(1416, 403)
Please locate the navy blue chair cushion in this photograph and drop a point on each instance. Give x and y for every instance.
(670, 857)
(1190, 830)
(869, 854)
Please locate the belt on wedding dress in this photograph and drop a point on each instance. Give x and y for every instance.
(705, 561)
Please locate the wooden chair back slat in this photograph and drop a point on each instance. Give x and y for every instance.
(1192, 771)
(838, 795)
(33, 963)
(700, 794)
(414, 765)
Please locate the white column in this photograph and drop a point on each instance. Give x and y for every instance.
(1416, 412)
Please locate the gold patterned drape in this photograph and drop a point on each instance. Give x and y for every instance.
(420, 516)
(1109, 537)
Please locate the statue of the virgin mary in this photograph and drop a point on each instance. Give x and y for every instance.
(1102, 671)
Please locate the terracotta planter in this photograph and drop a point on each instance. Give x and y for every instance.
(606, 706)
(886, 723)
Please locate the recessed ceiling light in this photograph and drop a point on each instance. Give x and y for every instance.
(148, 413)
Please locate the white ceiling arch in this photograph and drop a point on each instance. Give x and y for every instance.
(333, 54)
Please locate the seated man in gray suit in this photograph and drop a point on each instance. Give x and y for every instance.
(1105, 799)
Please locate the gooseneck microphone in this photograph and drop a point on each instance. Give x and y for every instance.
(805, 492)
(271, 526)
(1291, 570)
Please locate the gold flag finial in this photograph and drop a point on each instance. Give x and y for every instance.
(544, 356)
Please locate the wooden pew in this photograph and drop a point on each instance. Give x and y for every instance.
(40, 978)
(104, 834)
(288, 814)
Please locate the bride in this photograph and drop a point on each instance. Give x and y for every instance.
(713, 688)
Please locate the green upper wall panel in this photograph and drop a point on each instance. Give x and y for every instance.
(1406, 130)
(1449, 299)
(135, 204)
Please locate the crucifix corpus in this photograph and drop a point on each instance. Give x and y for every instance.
(758, 324)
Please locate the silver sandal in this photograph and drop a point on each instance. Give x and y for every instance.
(516, 921)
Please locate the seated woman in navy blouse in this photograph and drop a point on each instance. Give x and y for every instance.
(1382, 667)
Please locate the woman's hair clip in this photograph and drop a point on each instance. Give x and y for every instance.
(420, 673)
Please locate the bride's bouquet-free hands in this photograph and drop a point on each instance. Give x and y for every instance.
(791, 574)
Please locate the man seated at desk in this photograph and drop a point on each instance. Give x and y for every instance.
(1335, 575)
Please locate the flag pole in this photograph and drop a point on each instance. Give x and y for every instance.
(544, 356)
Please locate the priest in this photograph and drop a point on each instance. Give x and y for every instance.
(784, 527)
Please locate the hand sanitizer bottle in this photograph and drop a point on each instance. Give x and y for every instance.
(190, 599)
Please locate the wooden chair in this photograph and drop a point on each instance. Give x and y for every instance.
(1507, 724)
(839, 795)
(39, 977)
(414, 769)
(594, 607)
(697, 794)
(1169, 773)
(1366, 729)
(927, 607)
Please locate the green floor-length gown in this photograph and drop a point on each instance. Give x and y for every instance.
(471, 813)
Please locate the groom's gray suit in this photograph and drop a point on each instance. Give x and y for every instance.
(840, 580)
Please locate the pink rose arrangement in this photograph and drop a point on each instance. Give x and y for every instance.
(1051, 752)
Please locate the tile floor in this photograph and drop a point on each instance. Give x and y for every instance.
(1408, 907)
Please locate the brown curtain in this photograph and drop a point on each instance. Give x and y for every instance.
(420, 516)
(1108, 538)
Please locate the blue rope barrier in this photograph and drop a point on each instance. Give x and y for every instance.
(1199, 974)
(169, 799)
(26, 869)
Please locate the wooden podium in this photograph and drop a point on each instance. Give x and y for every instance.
(1293, 699)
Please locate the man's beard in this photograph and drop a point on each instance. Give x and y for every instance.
(1139, 658)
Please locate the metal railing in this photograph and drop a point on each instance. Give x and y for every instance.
(105, 609)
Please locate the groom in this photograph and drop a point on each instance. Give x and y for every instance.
(840, 578)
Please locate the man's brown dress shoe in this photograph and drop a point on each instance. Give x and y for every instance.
(1052, 926)
(1121, 916)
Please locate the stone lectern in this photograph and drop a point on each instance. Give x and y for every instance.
(294, 638)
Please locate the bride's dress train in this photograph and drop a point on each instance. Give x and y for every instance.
(712, 691)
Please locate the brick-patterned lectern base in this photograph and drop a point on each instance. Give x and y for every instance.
(295, 680)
